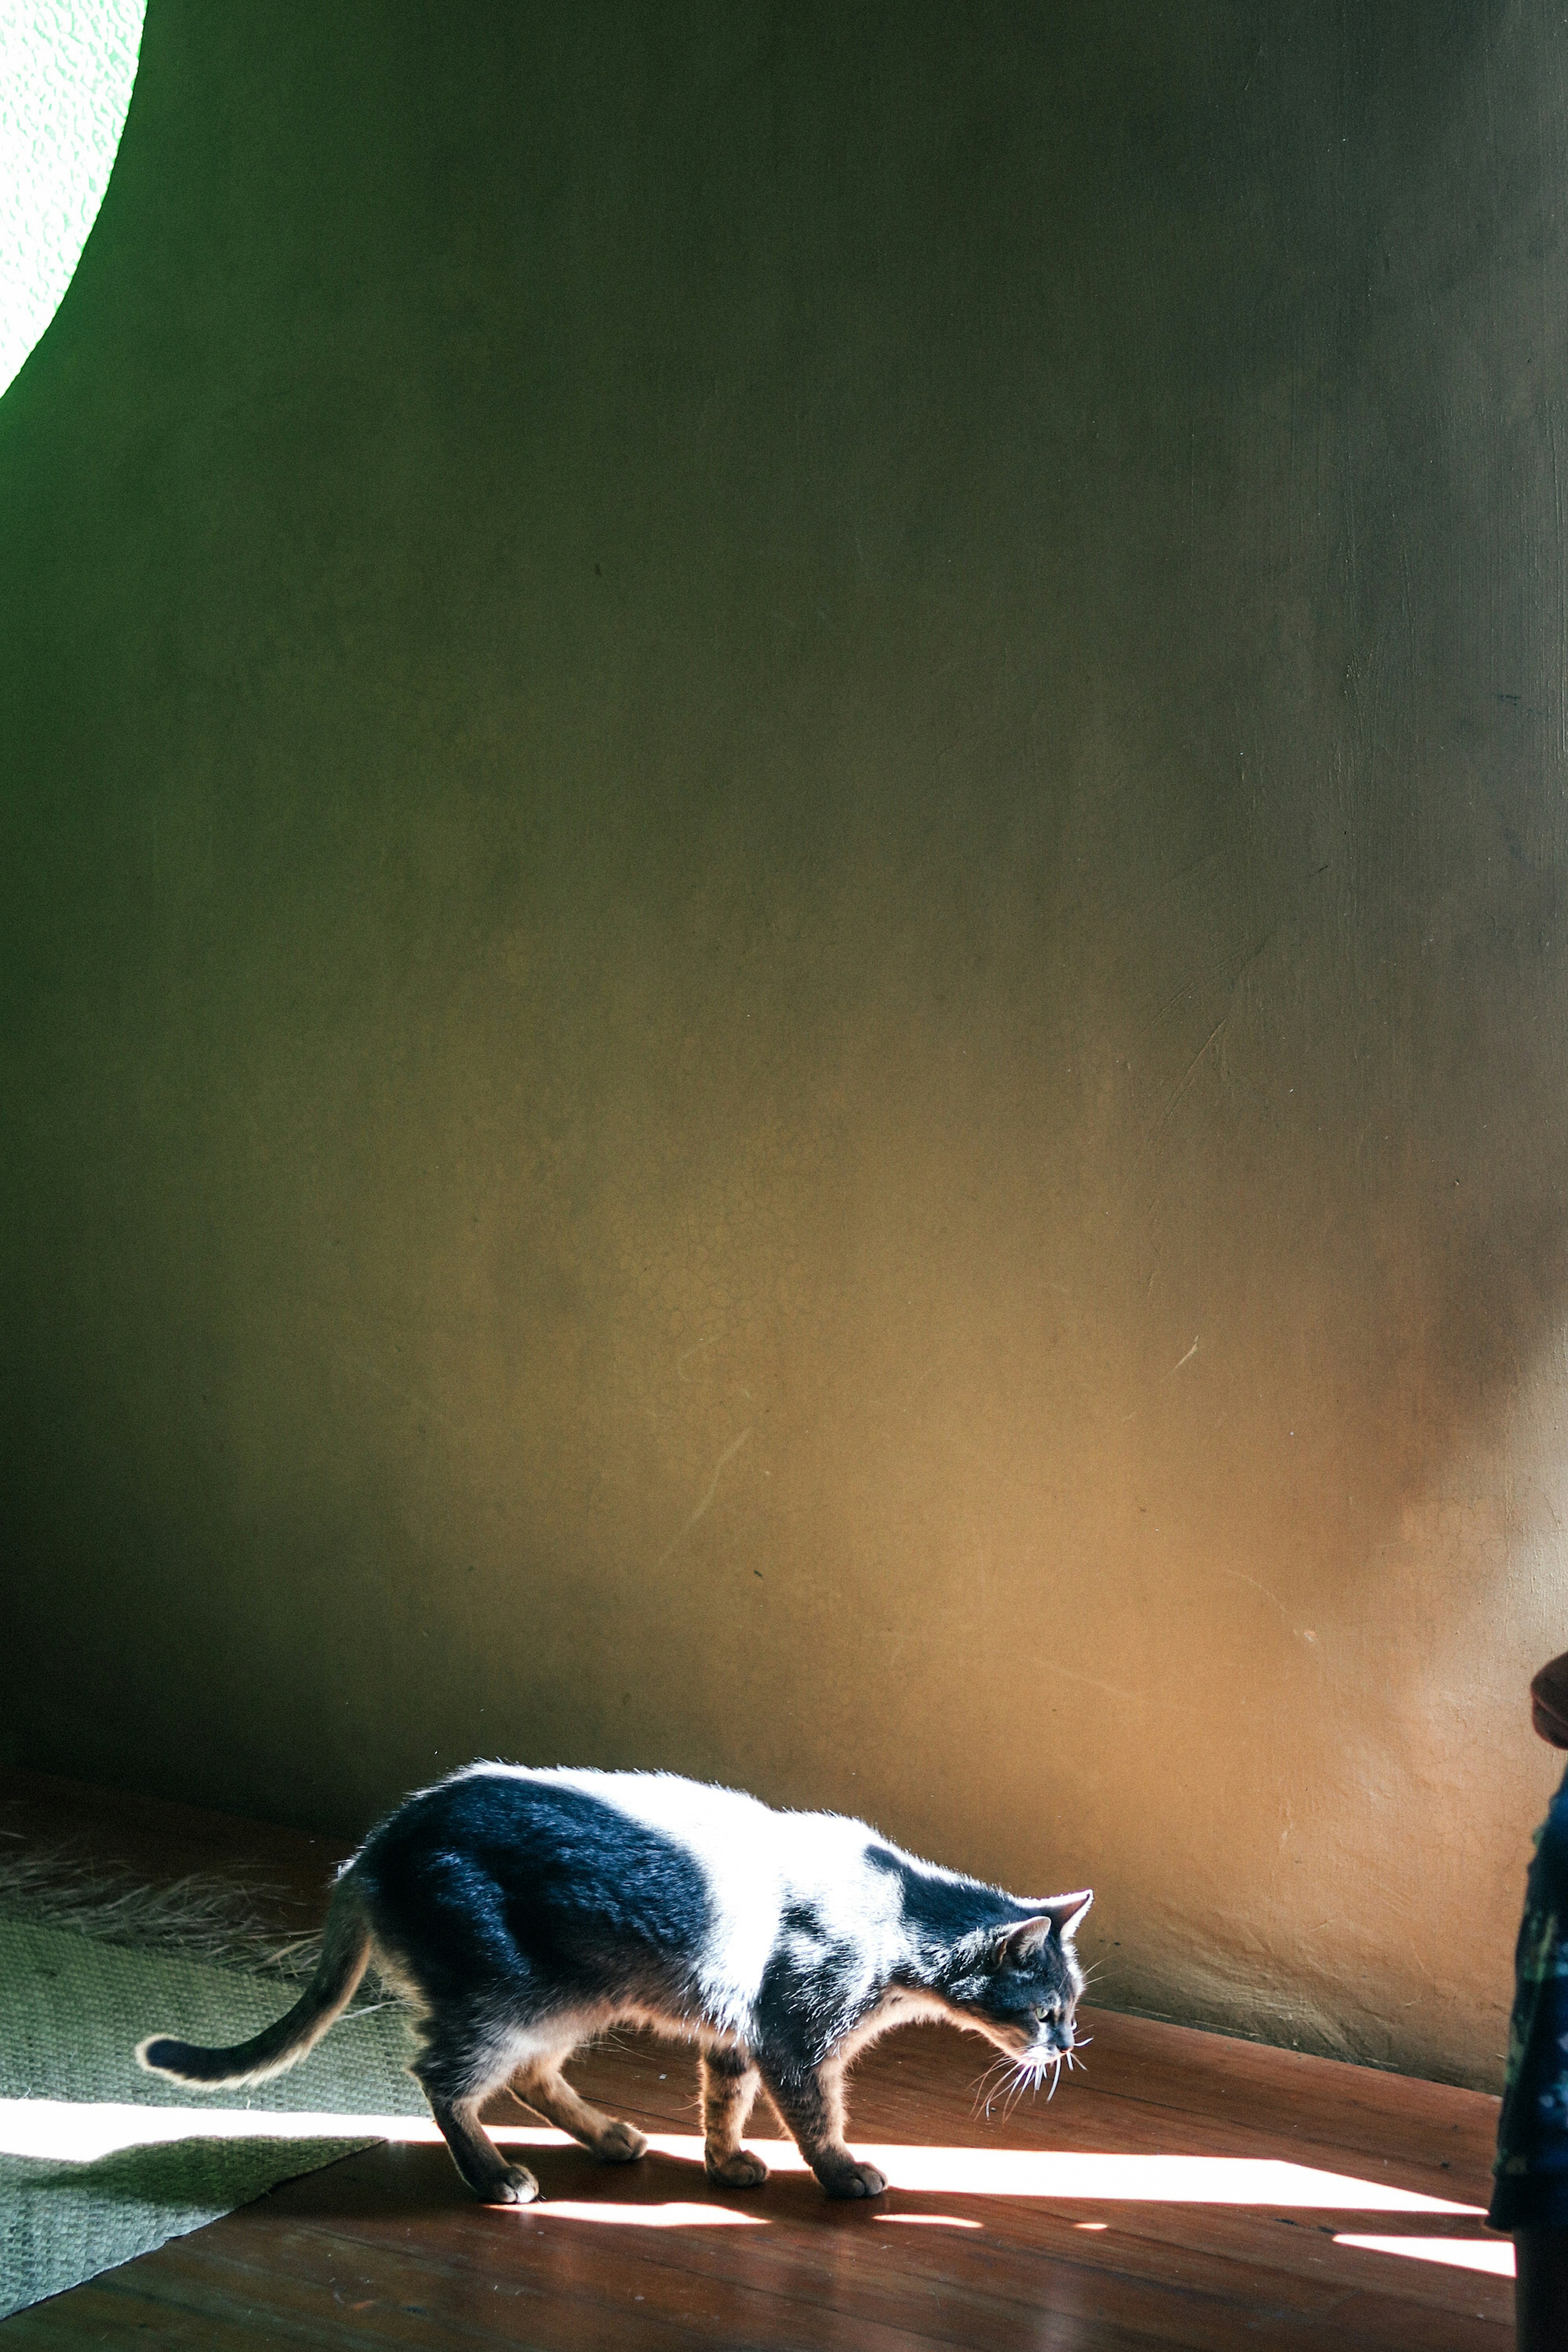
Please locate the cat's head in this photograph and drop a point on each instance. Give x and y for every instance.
(1020, 1982)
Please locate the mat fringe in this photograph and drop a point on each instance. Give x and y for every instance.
(201, 1917)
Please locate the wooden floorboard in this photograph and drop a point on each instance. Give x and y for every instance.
(386, 2248)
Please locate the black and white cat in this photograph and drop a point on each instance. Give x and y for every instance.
(522, 1912)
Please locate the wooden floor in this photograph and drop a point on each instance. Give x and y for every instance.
(1064, 2224)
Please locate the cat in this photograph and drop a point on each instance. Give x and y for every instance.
(523, 1911)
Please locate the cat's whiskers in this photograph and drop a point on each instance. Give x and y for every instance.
(1024, 2079)
(1007, 2078)
(1020, 2075)
(991, 2082)
(999, 2094)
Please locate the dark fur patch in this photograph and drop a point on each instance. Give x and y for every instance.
(939, 1910)
(489, 1882)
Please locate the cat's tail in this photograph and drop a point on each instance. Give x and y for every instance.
(345, 1950)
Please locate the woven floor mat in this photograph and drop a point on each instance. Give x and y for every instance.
(100, 2161)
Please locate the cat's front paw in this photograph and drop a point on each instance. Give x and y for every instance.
(621, 2143)
(852, 2179)
(511, 2186)
(739, 2169)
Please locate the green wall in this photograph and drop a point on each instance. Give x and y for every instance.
(782, 961)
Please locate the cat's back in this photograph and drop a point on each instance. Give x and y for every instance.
(745, 1851)
(810, 1880)
(715, 1870)
(738, 1842)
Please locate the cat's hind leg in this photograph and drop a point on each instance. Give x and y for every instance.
(457, 2077)
(492, 2179)
(729, 2083)
(539, 2084)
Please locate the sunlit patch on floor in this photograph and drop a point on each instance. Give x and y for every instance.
(66, 2131)
(1493, 2254)
(640, 2216)
(83, 2131)
(930, 2220)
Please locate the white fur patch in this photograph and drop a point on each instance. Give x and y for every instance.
(756, 1863)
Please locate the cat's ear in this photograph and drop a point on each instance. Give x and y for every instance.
(1054, 1915)
(1067, 1911)
(1057, 1913)
(1021, 1941)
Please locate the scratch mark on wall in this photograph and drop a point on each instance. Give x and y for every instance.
(1191, 1071)
(712, 1489)
(686, 1354)
(1173, 882)
(1188, 1075)
(1176, 1094)
(1187, 1358)
(1236, 1575)
(1110, 1689)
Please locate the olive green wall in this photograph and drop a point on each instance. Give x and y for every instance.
(783, 948)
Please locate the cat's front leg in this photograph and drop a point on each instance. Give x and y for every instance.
(811, 2101)
(730, 2081)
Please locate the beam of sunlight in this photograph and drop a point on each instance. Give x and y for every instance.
(76, 2131)
(1101, 2178)
(643, 2217)
(65, 2131)
(928, 2220)
(1493, 2254)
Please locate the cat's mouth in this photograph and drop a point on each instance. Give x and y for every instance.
(1029, 2061)
(1044, 2045)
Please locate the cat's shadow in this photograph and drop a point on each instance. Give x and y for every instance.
(193, 2175)
(314, 2177)
(656, 2179)
(421, 2176)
